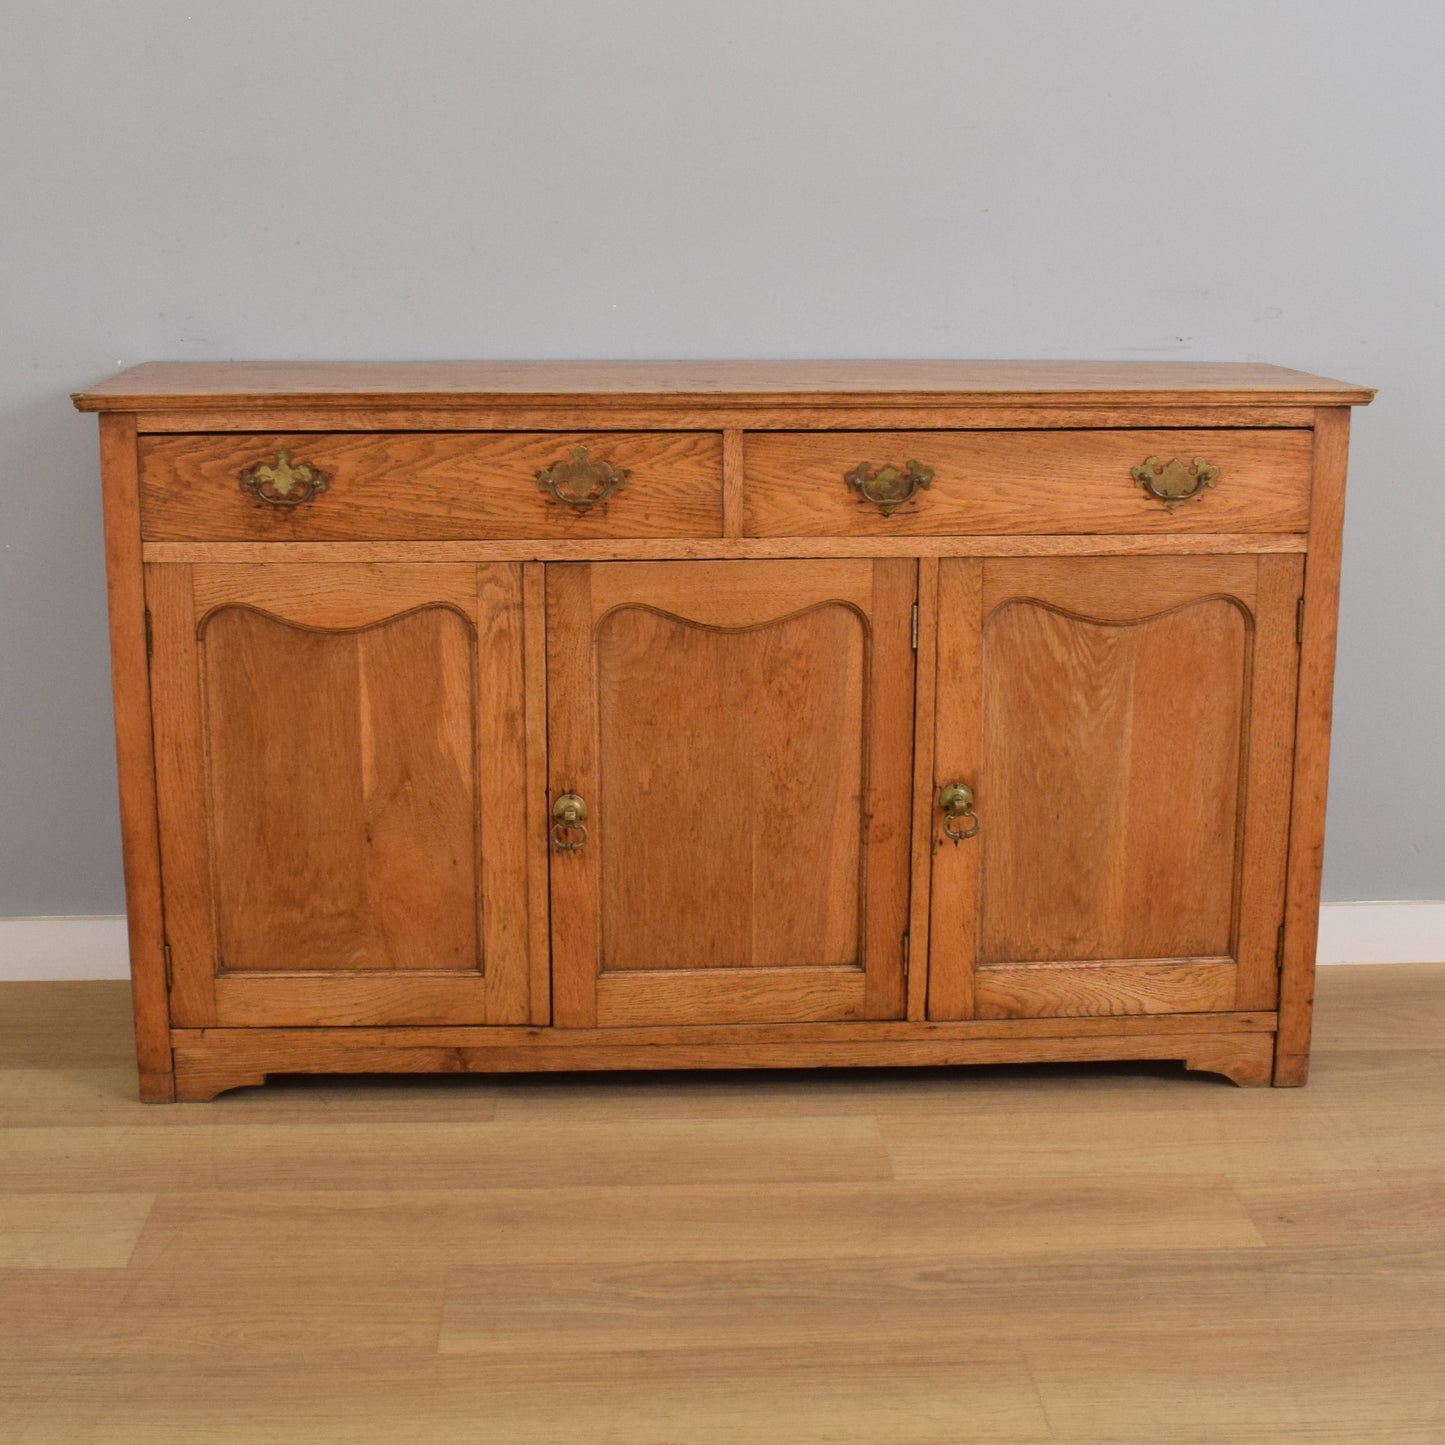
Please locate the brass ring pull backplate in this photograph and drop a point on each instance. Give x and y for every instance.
(1173, 482)
(580, 481)
(956, 800)
(889, 487)
(283, 483)
(568, 813)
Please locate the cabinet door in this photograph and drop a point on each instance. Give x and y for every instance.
(741, 733)
(1126, 725)
(340, 784)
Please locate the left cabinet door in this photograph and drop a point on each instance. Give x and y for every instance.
(340, 785)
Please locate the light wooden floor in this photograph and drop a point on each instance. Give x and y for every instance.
(1125, 1254)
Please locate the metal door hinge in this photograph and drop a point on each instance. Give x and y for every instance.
(915, 627)
(166, 954)
(150, 639)
(1299, 621)
(905, 958)
(1279, 950)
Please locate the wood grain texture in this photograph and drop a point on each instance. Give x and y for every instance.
(760, 745)
(958, 755)
(220, 1059)
(503, 834)
(1121, 592)
(414, 486)
(732, 464)
(1056, 482)
(207, 1069)
(772, 799)
(799, 991)
(1025, 1255)
(135, 759)
(1079, 988)
(1268, 782)
(1312, 744)
(538, 811)
(312, 1155)
(780, 415)
(1129, 745)
(788, 1218)
(341, 792)
(179, 723)
(721, 548)
(1112, 778)
(742, 734)
(292, 1040)
(925, 693)
(359, 385)
(68, 1231)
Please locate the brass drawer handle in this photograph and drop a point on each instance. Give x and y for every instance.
(568, 812)
(1173, 482)
(282, 483)
(956, 800)
(888, 487)
(579, 481)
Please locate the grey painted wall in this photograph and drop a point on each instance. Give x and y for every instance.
(1246, 180)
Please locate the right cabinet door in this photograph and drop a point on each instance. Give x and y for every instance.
(1126, 727)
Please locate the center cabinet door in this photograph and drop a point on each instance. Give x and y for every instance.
(1126, 726)
(741, 734)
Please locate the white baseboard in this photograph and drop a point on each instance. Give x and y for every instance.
(77, 948)
(1382, 933)
(58, 948)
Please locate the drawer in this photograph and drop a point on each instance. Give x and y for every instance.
(797, 484)
(421, 486)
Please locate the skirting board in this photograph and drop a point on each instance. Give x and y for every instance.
(87, 948)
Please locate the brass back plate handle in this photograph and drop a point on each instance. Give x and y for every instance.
(888, 487)
(956, 800)
(581, 481)
(1173, 482)
(283, 483)
(568, 813)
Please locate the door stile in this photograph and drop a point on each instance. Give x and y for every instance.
(499, 730)
(181, 793)
(575, 874)
(1268, 780)
(536, 845)
(885, 873)
(957, 873)
(925, 678)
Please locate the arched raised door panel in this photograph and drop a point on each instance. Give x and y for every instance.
(741, 734)
(1126, 725)
(340, 789)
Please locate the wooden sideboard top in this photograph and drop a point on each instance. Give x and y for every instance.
(183, 385)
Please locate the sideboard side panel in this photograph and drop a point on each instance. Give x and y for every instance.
(135, 757)
(1312, 745)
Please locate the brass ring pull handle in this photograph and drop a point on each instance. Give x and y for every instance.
(568, 812)
(282, 483)
(579, 481)
(888, 487)
(956, 800)
(1173, 482)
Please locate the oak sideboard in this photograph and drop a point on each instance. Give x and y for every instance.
(545, 716)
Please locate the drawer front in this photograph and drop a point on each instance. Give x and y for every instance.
(411, 486)
(819, 484)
